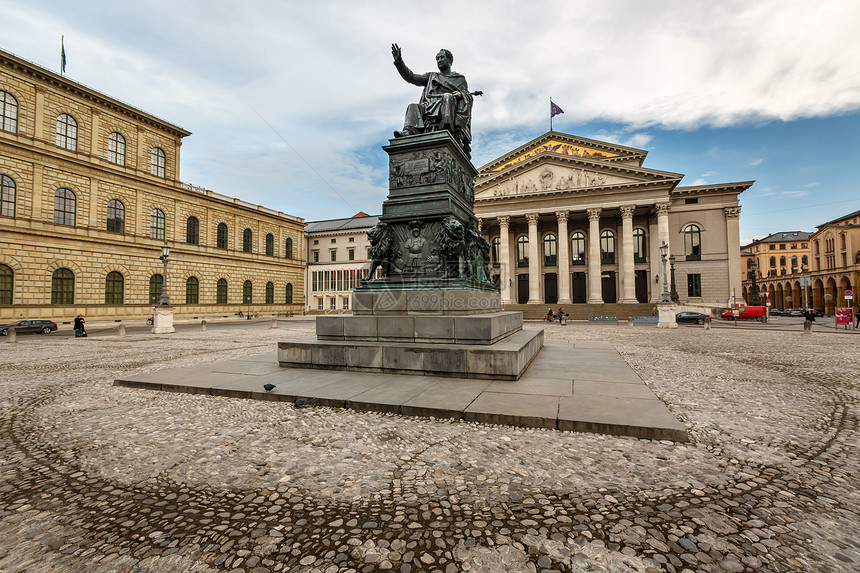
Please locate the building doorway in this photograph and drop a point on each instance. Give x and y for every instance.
(522, 289)
(550, 288)
(642, 286)
(607, 284)
(580, 294)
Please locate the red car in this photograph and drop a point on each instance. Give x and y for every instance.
(747, 312)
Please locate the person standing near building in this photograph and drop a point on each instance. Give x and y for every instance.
(79, 326)
(857, 319)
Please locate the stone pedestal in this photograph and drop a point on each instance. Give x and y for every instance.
(434, 311)
(666, 314)
(162, 320)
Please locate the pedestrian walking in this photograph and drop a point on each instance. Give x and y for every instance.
(857, 319)
(80, 331)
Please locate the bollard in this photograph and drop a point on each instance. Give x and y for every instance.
(203, 325)
(11, 335)
(807, 326)
(120, 330)
(707, 323)
(629, 321)
(274, 322)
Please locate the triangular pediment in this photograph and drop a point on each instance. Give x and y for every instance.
(562, 144)
(544, 174)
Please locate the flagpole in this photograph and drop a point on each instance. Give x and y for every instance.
(62, 53)
(550, 113)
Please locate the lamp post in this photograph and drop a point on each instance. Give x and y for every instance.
(673, 294)
(665, 309)
(755, 299)
(665, 297)
(164, 299)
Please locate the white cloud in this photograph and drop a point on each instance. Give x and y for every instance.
(321, 74)
(756, 162)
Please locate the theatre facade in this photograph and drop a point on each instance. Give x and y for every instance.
(575, 221)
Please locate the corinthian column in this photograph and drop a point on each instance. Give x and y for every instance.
(505, 259)
(627, 273)
(663, 225)
(733, 248)
(534, 263)
(595, 294)
(563, 259)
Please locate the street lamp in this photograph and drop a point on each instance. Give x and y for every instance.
(164, 300)
(665, 298)
(674, 293)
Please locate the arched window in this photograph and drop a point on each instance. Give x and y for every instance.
(782, 261)
(116, 148)
(7, 196)
(8, 112)
(270, 293)
(693, 243)
(804, 261)
(6, 281)
(550, 251)
(496, 249)
(64, 207)
(522, 251)
(157, 162)
(115, 216)
(192, 290)
(192, 231)
(607, 248)
(67, 132)
(794, 261)
(156, 282)
(270, 245)
(639, 246)
(288, 248)
(577, 248)
(221, 239)
(114, 284)
(221, 292)
(842, 241)
(289, 293)
(247, 293)
(63, 287)
(156, 224)
(247, 240)
(773, 262)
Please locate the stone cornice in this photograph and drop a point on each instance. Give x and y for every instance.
(735, 187)
(43, 76)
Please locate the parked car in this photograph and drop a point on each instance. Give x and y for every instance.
(777, 312)
(40, 326)
(747, 312)
(691, 317)
(795, 312)
(817, 312)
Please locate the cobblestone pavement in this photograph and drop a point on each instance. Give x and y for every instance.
(95, 478)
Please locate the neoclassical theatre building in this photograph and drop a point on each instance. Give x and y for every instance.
(578, 222)
(89, 193)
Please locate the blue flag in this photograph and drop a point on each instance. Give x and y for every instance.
(554, 110)
(62, 56)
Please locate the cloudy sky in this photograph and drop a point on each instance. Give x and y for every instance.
(290, 102)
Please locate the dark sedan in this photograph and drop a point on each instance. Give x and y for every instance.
(40, 326)
(691, 317)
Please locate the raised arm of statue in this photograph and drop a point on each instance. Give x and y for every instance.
(405, 72)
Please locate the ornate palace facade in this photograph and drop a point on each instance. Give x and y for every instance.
(90, 191)
(577, 221)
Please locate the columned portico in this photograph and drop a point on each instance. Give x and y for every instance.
(504, 258)
(534, 262)
(563, 259)
(627, 271)
(595, 294)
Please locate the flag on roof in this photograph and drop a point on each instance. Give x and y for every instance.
(554, 110)
(62, 56)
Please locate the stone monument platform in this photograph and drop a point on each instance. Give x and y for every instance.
(585, 386)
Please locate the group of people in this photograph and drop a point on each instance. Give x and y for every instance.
(552, 317)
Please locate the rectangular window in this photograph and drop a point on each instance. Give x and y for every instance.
(316, 256)
(333, 241)
(352, 239)
(794, 245)
(320, 303)
(351, 254)
(313, 281)
(316, 241)
(694, 285)
(332, 303)
(772, 247)
(346, 303)
(333, 255)
(782, 247)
